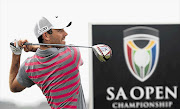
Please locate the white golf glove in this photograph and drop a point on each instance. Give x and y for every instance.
(16, 49)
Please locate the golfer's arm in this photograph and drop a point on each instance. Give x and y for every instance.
(13, 83)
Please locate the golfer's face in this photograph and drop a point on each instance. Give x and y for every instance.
(58, 36)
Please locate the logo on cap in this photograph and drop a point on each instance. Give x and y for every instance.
(43, 29)
(141, 53)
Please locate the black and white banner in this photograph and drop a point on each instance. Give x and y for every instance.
(144, 71)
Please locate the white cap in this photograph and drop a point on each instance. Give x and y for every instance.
(44, 24)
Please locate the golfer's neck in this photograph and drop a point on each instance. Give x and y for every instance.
(44, 47)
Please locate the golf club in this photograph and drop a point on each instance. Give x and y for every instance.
(57, 45)
(103, 52)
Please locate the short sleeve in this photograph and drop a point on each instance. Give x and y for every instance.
(23, 78)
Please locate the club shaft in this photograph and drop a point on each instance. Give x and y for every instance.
(57, 45)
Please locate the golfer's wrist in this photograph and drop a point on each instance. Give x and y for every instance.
(34, 48)
(15, 57)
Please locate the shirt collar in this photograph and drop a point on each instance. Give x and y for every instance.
(47, 52)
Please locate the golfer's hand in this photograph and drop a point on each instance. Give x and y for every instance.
(27, 48)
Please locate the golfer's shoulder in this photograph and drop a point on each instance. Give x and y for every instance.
(74, 49)
(26, 62)
(33, 58)
(28, 59)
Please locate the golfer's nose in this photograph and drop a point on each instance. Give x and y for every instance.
(65, 33)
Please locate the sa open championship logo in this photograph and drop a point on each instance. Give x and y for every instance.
(141, 50)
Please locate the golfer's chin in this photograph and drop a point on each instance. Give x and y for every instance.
(63, 42)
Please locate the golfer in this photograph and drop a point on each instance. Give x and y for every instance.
(55, 70)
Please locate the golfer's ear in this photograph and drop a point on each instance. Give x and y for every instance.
(46, 36)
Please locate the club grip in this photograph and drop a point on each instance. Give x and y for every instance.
(11, 43)
(26, 43)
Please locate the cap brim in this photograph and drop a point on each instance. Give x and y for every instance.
(61, 25)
